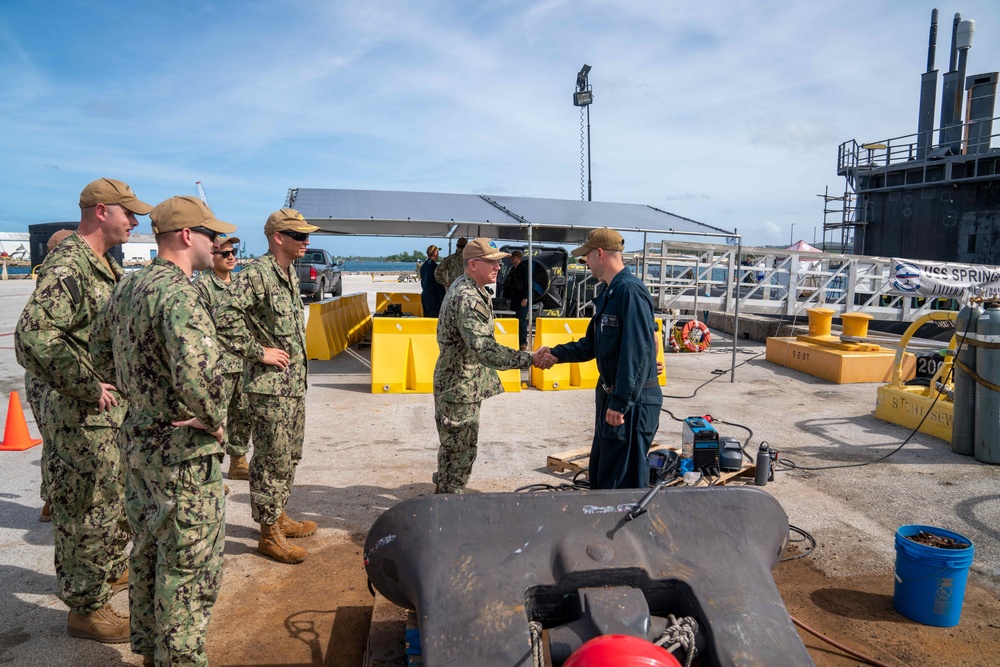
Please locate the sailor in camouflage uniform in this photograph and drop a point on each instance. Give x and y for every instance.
(165, 356)
(81, 414)
(213, 285)
(452, 266)
(34, 391)
(260, 319)
(466, 370)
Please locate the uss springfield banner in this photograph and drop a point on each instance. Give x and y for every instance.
(960, 281)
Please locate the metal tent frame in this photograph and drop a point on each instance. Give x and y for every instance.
(448, 215)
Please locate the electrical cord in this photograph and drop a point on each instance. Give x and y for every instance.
(548, 487)
(788, 464)
(719, 372)
(835, 644)
(576, 485)
(746, 442)
(712, 419)
(806, 537)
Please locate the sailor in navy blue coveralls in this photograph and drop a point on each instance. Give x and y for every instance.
(622, 337)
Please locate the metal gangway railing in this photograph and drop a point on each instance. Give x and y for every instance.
(973, 140)
(699, 277)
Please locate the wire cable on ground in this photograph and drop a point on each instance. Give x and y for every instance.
(712, 419)
(719, 372)
(806, 537)
(860, 656)
(576, 485)
(788, 464)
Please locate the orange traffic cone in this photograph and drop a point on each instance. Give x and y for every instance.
(15, 435)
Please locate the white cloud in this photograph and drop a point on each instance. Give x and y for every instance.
(726, 113)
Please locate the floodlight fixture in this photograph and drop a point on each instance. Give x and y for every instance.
(583, 98)
(583, 95)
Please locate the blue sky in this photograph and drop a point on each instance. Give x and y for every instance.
(729, 113)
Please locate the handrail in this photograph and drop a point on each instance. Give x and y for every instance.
(779, 282)
(900, 149)
(897, 363)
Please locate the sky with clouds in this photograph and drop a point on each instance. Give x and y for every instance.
(727, 112)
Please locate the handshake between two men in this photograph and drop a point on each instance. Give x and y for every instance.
(543, 358)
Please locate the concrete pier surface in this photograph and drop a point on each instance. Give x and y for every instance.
(364, 453)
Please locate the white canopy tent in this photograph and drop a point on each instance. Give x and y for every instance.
(443, 215)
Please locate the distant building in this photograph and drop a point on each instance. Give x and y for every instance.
(14, 245)
(140, 249)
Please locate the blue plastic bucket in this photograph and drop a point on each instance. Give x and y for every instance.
(930, 581)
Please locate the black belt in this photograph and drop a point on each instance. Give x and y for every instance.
(610, 388)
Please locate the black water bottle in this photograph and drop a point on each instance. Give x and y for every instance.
(763, 465)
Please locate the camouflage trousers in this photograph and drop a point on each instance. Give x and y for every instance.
(90, 530)
(237, 435)
(278, 425)
(458, 431)
(178, 515)
(34, 393)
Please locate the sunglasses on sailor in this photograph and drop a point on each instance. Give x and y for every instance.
(205, 231)
(225, 254)
(301, 237)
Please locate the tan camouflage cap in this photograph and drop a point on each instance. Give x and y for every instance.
(186, 213)
(604, 238)
(58, 238)
(482, 249)
(110, 191)
(287, 219)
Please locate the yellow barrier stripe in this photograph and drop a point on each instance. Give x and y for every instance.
(405, 351)
(336, 324)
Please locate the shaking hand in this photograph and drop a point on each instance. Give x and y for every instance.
(543, 358)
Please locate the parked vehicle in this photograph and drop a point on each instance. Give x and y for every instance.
(319, 274)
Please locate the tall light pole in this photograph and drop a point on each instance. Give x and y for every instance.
(583, 97)
(791, 235)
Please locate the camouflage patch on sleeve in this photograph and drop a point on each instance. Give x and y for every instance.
(257, 285)
(481, 309)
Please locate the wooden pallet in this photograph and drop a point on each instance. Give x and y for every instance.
(575, 460)
(746, 472)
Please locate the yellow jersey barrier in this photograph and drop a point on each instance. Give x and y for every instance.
(405, 350)
(552, 331)
(409, 300)
(336, 324)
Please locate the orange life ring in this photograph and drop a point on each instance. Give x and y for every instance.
(699, 341)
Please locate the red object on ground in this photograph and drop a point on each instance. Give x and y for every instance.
(621, 651)
(15, 434)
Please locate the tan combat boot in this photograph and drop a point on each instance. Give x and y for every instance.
(239, 468)
(292, 528)
(104, 625)
(273, 543)
(119, 584)
(46, 515)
